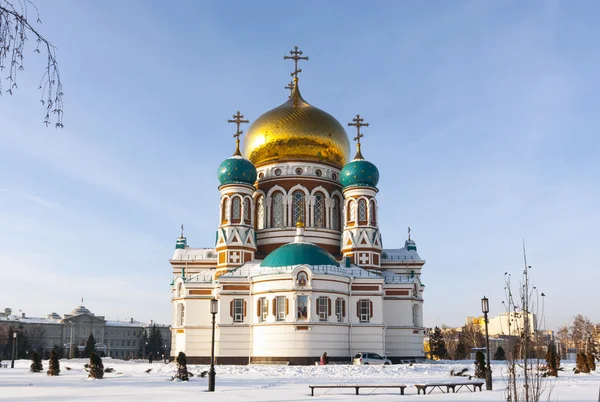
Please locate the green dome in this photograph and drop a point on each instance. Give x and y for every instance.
(299, 253)
(236, 170)
(359, 172)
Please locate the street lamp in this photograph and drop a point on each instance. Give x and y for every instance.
(485, 308)
(71, 348)
(214, 309)
(12, 363)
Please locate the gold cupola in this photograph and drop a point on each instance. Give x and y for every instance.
(296, 130)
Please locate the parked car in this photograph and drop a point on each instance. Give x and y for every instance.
(370, 358)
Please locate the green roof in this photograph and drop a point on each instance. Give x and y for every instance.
(236, 170)
(298, 253)
(359, 172)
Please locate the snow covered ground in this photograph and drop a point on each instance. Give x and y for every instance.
(130, 382)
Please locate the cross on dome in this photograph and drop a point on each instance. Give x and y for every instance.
(409, 233)
(238, 119)
(295, 55)
(290, 86)
(182, 230)
(358, 123)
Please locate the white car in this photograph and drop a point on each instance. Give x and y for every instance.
(365, 358)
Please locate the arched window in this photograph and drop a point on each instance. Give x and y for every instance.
(246, 210)
(319, 210)
(362, 211)
(226, 210)
(260, 213)
(335, 214)
(180, 314)
(298, 207)
(373, 215)
(351, 211)
(277, 211)
(236, 205)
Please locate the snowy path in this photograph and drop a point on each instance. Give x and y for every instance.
(259, 383)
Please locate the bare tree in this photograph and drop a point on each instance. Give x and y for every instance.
(450, 336)
(36, 335)
(15, 29)
(525, 380)
(472, 336)
(581, 331)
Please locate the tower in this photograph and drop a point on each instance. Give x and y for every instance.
(236, 243)
(361, 239)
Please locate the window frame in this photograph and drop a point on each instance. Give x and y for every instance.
(322, 308)
(364, 311)
(280, 308)
(238, 311)
(264, 309)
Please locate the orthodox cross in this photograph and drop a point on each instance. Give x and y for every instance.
(182, 230)
(290, 86)
(409, 233)
(295, 55)
(238, 119)
(358, 123)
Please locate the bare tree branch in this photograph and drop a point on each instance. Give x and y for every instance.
(14, 28)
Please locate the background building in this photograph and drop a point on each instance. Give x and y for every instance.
(118, 339)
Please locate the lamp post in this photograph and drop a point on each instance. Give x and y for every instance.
(214, 309)
(485, 308)
(14, 349)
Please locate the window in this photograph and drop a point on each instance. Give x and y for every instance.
(351, 211)
(415, 315)
(373, 213)
(323, 307)
(364, 310)
(335, 214)
(340, 309)
(277, 210)
(247, 210)
(319, 211)
(180, 314)
(128, 343)
(226, 210)
(260, 213)
(238, 310)
(362, 211)
(298, 207)
(262, 309)
(236, 205)
(280, 308)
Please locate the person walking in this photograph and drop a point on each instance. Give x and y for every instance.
(324, 359)
(150, 357)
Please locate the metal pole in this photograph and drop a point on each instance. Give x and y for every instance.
(14, 350)
(211, 373)
(488, 370)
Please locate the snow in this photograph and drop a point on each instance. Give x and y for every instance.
(130, 382)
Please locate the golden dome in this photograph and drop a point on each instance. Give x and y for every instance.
(296, 130)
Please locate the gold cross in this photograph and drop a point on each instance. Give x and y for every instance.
(295, 55)
(238, 119)
(290, 86)
(358, 123)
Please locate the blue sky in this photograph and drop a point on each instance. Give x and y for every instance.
(483, 123)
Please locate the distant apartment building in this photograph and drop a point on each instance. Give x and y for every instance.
(117, 339)
(506, 324)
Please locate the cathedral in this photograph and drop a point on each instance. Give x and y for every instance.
(298, 267)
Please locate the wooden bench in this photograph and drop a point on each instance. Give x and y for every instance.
(454, 386)
(357, 387)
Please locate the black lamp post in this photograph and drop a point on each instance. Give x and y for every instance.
(485, 308)
(214, 309)
(12, 363)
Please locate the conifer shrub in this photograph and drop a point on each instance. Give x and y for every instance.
(500, 354)
(552, 361)
(479, 365)
(53, 364)
(96, 367)
(591, 362)
(36, 363)
(182, 372)
(461, 351)
(581, 364)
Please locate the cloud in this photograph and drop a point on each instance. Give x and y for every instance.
(31, 198)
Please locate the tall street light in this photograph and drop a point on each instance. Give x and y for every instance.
(485, 308)
(12, 363)
(214, 309)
